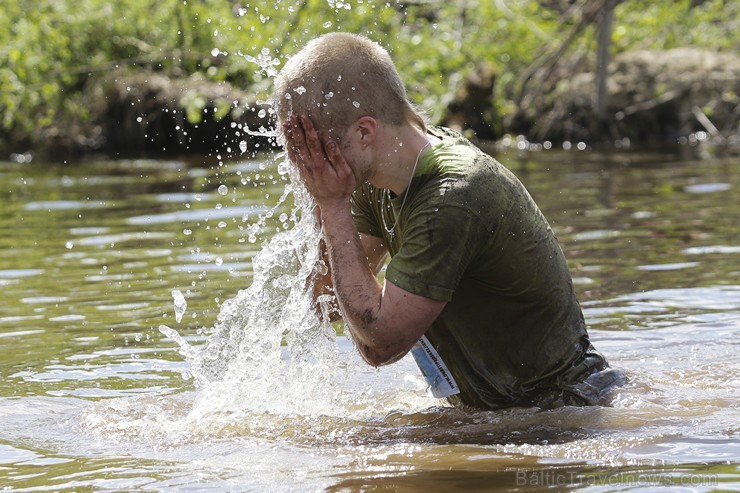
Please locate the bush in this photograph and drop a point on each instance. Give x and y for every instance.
(53, 51)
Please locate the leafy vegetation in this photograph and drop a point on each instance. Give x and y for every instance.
(53, 53)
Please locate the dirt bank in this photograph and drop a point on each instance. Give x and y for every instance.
(651, 98)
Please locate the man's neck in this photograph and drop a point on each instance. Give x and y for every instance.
(397, 151)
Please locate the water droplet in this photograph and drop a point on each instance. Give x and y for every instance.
(327, 24)
(356, 104)
(219, 261)
(223, 190)
(139, 119)
(243, 146)
(69, 245)
(300, 90)
(222, 224)
(187, 232)
(180, 304)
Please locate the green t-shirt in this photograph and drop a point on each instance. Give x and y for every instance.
(470, 234)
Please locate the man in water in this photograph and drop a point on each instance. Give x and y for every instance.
(477, 287)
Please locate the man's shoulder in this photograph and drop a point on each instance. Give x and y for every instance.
(445, 133)
(463, 169)
(459, 147)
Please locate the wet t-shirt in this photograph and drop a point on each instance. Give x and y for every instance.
(469, 233)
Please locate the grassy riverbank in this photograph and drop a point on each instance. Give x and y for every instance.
(58, 58)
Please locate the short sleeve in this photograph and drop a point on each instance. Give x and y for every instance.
(364, 214)
(438, 247)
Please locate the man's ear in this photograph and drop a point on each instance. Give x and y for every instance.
(367, 126)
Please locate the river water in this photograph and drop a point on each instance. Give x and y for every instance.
(154, 337)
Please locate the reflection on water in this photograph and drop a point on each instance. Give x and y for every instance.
(93, 395)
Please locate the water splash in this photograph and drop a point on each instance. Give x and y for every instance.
(265, 61)
(269, 353)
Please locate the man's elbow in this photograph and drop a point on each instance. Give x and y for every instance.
(376, 358)
(373, 359)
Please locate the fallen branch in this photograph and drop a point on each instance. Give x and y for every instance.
(702, 118)
(650, 104)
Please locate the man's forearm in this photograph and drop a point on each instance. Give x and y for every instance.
(357, 289)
